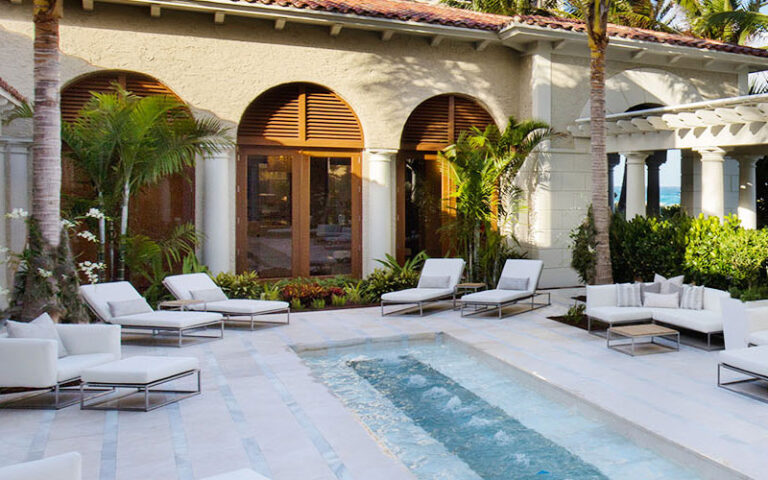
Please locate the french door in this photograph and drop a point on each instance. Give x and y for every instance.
(299, 212)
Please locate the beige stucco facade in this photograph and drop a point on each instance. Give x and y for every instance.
(219, 69)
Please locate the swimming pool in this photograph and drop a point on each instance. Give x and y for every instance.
(450, 412)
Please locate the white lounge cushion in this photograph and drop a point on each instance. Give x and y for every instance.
(168, 319)
(67, 466)
(139, 369)
(513, 283)
(698, 320)
(244, 474)
(628, 295)
(237, 306)
(98, 296)
(72, 366)
(523, 268)
(415, 295)
(494, 296)
(209, 294)
(753, 359)
(121, 308)
(434, 281)
(182, 286)
(758, 338)
(661, 300)
(669, 285)
(42, 327)
(692, 297)
(619, 314)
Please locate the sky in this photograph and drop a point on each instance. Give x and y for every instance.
(669, 172)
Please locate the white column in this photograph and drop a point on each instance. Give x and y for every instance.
(747, 192)
(216, 211)
(635, 183)
(19, 163)
(379, 214)
(712, 181)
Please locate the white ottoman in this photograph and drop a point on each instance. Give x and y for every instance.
(141, 373)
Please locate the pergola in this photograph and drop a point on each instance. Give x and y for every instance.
(711, 131)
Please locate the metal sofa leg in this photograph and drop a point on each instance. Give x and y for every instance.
(181, 332)
(589, 324)
(421, 309)
(289, 316)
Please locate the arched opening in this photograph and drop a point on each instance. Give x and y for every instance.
(154, 211)
(299, 201)
(423, 182)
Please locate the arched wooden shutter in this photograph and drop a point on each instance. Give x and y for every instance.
(438, 121)
(75, 95)
(301, 115)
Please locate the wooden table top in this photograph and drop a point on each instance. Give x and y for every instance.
(470, 285)
(644, 330)
(178, 303)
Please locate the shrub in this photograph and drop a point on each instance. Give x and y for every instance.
(382, 281)
(338, 300)
(575, 313)
(583, 245)
(356, 293)
(307, 291)
(242, 285)
(271, 291)
(318, 304)
(296, 305)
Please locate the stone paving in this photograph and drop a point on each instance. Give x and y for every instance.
(261, 408)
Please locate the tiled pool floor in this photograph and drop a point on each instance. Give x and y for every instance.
(262, 408)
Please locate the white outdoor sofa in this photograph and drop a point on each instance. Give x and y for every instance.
(602, 307)
(31, 363)
(98, 297)
(194, 286)
(498, 298)
(437, 281)
(67, 466)
(744, 324)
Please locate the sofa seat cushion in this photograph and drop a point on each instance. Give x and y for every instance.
(242, 306)
(415, 295)
(495, 296)
(699, 320)
(139, 370)
(72, 366)
(758, 338)
(166, 319)
(619, 314)
(753, 359)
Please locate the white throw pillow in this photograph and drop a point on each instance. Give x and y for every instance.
(209, 295)
(628, 295)
(692, 297)
(512, 283)
(661, 300)
(123, 308)
(669, 285)
(434, 281)
(41, 327)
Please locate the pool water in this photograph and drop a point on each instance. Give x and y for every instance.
(449, 413)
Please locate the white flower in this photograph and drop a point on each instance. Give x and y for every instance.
(4, 291)
(17, 213)
(4, 250)
(44, 273)
(88, 236)
(67, 223)
(95, 213)
(89, 269)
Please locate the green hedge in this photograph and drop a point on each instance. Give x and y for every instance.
(709, 252)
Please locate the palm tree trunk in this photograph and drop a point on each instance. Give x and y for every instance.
(46, 149)
(123, 231)
(603, 273)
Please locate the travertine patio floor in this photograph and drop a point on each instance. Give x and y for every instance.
(261, 408)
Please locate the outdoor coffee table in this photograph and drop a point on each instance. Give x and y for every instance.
(180, 305)
(648, 333)
(142, 374)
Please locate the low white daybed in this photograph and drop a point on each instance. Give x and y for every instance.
(518, 281)
(199, 286)
(119, 303)
(438, 281)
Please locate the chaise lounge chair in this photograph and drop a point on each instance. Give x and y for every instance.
(199, 286)
(119, 303)
(518, 281)
(438, 281)
(750, 362)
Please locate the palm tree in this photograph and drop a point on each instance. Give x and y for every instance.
(726, 20)
(505, 7)
(483, 165)
(146, 139)
(595, 14)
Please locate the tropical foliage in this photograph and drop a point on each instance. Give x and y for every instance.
(483, 166)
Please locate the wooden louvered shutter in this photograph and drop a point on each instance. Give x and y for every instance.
(300, 115)
(438, 121)
(75, 96)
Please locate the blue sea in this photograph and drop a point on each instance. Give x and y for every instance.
(667, 195)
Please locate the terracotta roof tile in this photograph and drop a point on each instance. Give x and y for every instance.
(410, 11)
(14, 93)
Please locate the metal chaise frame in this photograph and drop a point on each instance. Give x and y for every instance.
(419, 304)
(228, 317)
(140, 387)
(73, 385)
(753, 377)
(490, 306)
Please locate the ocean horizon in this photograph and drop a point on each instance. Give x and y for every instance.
(667, 195)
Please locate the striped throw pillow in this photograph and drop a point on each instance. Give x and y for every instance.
(628, 295)
(692, 297)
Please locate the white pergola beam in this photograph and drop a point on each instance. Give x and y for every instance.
(643, 124)
(729, 115)
(751, 114)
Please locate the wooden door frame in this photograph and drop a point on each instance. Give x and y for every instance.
(300, 203)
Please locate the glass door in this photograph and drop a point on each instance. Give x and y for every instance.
(424, 204)
(330, 215)
(268, 246)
